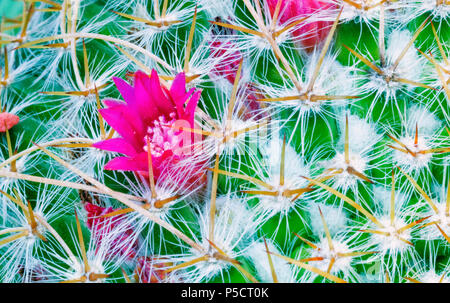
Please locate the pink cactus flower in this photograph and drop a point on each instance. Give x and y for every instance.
(7, 121)
(314, 32)
(146, 117)
(101, 227)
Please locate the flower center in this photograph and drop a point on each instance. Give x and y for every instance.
(162, 137)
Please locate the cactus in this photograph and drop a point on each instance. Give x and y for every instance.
(292, 141)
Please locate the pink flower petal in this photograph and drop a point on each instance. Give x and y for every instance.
(178, 88)
(125, 89)
(144, 102)
(191, 106)
(113, 102)
(137, 163)
(125, 122)
(164, 104)
(118, 145)
(311, 32)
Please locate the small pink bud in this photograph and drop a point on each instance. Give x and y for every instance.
(7, 121)
(227, 68)
(313, 32)
(101, 226)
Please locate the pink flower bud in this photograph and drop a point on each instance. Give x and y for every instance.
(101, 226)
(7, 121)
(228, 68)
(312, 32)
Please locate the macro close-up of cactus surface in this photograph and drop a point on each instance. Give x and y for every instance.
(231, 141)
